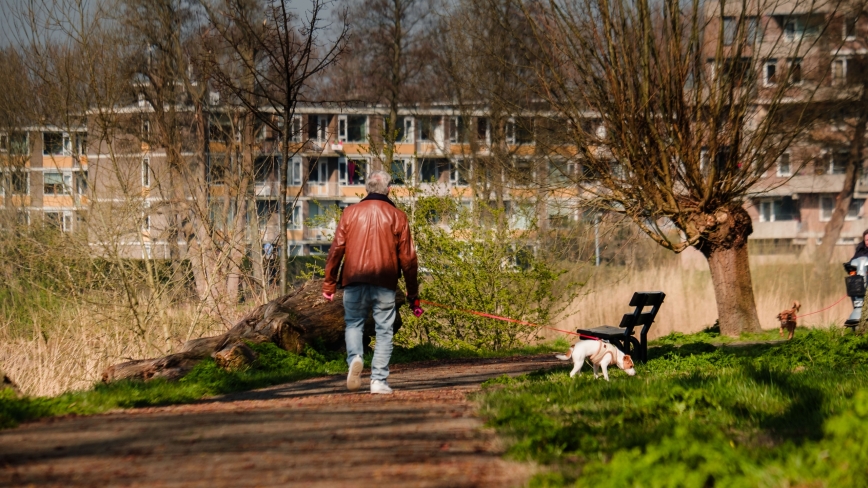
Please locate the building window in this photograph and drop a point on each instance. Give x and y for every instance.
(798, 27)
(784, 166)
(402, 172)
(318, 128)
(294, 175)
(56, 144)
(353, 128)
(483, 131)
(431, 169)
(827, 207)
(770, 73)
(458, 130)
(296, 129)
(19, 182)
(731, 33)
(81, 182)
(524, 130)
(15, 144)
(839, 71)
(429, 127)
(146, 172)
(850, 28)
(778, 209)
(146, 130)
(351, 171)
(838, 162)
(55, 183)
(795, 71)
(293, 217)
(403, 129)
(459, 173)
(59, 220)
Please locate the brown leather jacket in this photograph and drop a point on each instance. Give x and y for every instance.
(373, 240)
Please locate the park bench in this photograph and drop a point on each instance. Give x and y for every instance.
(623, 335)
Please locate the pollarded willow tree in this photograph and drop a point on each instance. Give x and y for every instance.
(676, 116)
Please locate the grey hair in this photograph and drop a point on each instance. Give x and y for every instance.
(378, 182)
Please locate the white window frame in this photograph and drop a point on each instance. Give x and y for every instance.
(322, 129)
(779, 171)
(78, 176)
(66, 178)
(65, 219)
(855, 20)
(343, 170)
(844, 62)
(297, 129)
(295, 219)
(509, 131)
(293, 177)
(26, 172)
(66, 144)
(487, 140)
(771, 62)
(409, 176)
(831, 198)
(146, 172)
(342, 128)
(454, 173)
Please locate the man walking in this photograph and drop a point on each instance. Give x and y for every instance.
(373, 241)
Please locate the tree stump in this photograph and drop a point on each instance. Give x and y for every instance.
(292, 322)
(6, 382)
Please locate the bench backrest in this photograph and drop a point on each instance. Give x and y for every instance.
(637, 318)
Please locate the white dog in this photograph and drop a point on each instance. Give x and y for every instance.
(600, 354)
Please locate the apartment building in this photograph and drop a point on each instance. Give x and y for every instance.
(55, 176)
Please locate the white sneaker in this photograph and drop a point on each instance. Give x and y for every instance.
(354, 378)
(380, 387)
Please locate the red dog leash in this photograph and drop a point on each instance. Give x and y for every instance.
(506, 319)
(823, 310)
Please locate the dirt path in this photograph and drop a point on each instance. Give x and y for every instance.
(311, 433)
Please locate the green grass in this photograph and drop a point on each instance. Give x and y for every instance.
(274, 366)
(698, 415)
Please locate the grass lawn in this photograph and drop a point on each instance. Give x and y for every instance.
(274, 366)
(698, 414)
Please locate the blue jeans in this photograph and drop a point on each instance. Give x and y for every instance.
(358, 300)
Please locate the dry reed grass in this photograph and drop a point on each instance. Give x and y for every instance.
(72, 352)
(690, 304)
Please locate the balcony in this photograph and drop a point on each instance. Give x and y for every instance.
(785, 229)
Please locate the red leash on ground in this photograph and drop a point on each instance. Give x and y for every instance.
(506, 319)
(823, 310)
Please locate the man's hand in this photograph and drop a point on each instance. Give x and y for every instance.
(415, 306)
(328, 296)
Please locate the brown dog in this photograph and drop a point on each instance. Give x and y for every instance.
(788, 319)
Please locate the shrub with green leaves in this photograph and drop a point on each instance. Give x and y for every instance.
(470, 258)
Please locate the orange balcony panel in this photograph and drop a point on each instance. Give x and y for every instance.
(523, 150)
(58, 162)
(57, 201)
(352, 191)
(19, 200)
(295, 235)
(355, 149)
(405, 149)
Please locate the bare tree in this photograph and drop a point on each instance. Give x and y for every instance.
(392, 51)
(672, 124)
(276, 52)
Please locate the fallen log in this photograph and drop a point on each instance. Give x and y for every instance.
(292, 322)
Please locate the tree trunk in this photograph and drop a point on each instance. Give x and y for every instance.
(725, 248)
(291, 322)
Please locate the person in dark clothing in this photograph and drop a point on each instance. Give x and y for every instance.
(862, 247)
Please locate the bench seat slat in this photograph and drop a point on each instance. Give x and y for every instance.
(604, 330)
